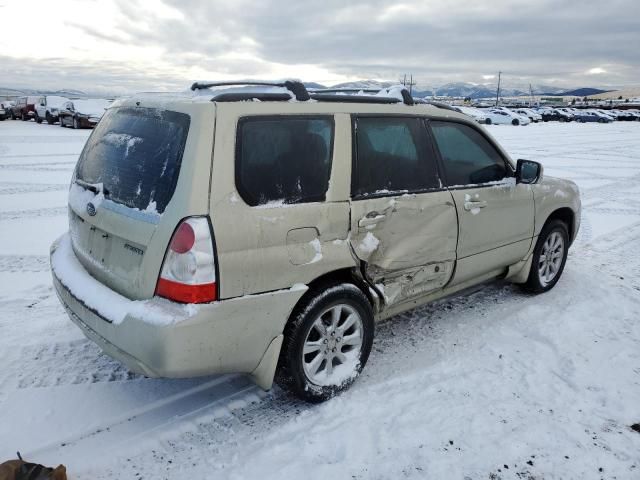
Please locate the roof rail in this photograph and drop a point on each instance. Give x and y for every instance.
(297, 88)
(437, 104)
(344, 90)
(407, 99)
(329, 97)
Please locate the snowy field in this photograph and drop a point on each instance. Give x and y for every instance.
(494, 385)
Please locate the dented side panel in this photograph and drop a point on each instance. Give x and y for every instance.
(408, 242)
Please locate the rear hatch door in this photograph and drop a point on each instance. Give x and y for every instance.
(124, 182)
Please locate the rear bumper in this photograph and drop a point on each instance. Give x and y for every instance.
(159, 338)
(85, 122)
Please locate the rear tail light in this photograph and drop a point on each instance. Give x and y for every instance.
(188, 272)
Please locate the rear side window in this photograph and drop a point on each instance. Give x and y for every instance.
(136, 154)
(283, 159)
(392, 154)
(467, 156)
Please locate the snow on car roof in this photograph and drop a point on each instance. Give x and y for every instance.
(95, 106)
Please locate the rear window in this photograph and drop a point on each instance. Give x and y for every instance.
(136, 154)
(283, 159)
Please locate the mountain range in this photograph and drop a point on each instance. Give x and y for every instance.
(457, 89)
(470, 90)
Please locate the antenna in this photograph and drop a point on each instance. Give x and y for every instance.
(410, 84)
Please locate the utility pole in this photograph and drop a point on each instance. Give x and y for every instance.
(530, 95)
(498, 90)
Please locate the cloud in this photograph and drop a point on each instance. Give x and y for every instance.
(540, 42)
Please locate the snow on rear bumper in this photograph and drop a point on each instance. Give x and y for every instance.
(160, 338)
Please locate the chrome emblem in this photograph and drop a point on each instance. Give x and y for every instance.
(91, 209)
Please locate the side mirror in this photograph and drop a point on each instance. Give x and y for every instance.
(528, 171)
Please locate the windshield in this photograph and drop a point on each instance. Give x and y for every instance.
(135, 153)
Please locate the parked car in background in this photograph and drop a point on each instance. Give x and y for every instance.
(585, 116)
(24, 108)
(47, 108)
(626, 115)
(475, 113)
(504, 116)
(5, 109)
(532, 115)
(82, 113)
(552, 114)
(606, 113)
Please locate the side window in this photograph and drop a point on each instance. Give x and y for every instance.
(468, 158)
(392, 154)
(283, 158)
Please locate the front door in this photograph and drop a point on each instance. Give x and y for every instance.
(403, 223)
(496, 215)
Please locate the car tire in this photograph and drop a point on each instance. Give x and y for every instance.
(38, 119)
(75, 123)
(49, 119)
(515, 122)
(23, 117)
(549, 257)
(601, 120)
(332, 326)
(487, 121)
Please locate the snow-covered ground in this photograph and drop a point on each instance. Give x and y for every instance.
(495, 384)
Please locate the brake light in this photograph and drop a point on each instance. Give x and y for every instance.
(188, 272)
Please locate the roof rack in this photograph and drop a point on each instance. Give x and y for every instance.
(300, 93)
(297, 88)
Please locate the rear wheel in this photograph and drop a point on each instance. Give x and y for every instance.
(327, 342)
(549, 257)
(487, 121)
(515, 122)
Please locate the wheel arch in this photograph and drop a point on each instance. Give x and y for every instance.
(343, 275)
(566, 215)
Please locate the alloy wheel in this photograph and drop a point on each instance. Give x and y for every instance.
(331, 351)
(550, 260)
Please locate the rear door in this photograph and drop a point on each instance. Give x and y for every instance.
(496, 215)
(403, 223)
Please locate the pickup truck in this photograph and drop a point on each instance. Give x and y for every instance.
(48, 107)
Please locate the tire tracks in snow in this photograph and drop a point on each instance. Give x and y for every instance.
(24, 263)
(35, 213)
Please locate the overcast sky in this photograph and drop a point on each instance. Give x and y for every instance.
(125, 45)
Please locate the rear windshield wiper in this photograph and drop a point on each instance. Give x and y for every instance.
(92, 187)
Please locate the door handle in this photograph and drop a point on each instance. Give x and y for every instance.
(372, 218)
(471, 205)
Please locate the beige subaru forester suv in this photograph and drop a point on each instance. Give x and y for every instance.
(265, 229)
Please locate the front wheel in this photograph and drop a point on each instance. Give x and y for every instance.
(549, 257)
(49, 119)
(327, 342)
(515, 122)
(487, 121)
(38, 119)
